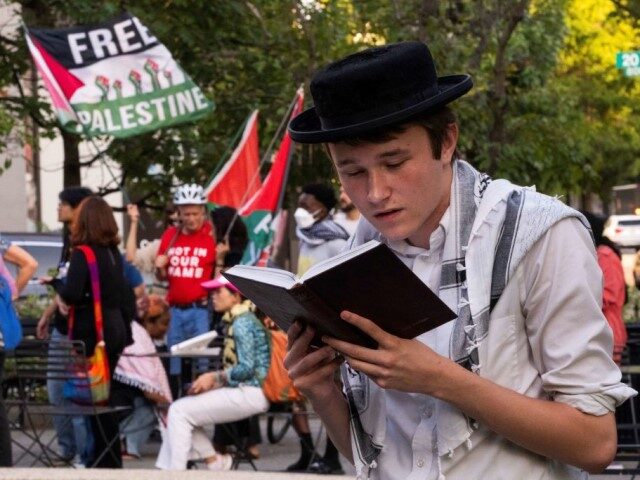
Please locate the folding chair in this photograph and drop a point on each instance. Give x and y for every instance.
(36, 361)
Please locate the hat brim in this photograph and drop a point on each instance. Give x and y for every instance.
(306, 127)
(217, 283)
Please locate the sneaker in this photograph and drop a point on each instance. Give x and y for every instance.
(300, 466)
(221, 463)
(322, 467)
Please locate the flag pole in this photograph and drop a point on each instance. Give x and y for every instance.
(283, 189)
(265, 157)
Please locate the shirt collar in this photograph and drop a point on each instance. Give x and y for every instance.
(436, 240)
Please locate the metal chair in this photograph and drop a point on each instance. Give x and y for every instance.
(35, 362)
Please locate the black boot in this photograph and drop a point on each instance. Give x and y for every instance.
(306, 453)
(330, 463)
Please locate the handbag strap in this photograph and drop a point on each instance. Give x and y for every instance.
(95, 290)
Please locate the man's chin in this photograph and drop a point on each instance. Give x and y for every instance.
(393, 234)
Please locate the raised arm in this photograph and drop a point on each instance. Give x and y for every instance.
(131, 245)
(27, 265)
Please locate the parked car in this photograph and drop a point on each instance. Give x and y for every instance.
(623, 230)
(45, 248)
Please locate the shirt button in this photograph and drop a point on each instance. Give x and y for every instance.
(420, 463)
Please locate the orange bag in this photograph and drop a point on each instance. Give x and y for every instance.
(277, 386)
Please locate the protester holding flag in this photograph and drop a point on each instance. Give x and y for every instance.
(143, 258)
(186, 258)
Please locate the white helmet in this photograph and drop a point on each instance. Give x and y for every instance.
(189, 194)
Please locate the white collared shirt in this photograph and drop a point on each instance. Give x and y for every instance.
(411, 432)
(547, 318)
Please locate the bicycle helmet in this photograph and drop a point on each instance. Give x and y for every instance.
(189, 194)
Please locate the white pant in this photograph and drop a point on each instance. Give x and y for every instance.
(185, 438)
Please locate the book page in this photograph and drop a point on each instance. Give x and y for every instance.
(272, 276)
(329, 263)
(196, 343)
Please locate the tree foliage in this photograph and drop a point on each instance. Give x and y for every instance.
(548, 107)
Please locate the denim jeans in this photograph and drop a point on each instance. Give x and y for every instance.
(137, 427)
(185, 324)
(70, 431)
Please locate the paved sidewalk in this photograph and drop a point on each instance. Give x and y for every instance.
(99, 474)
(274, 458)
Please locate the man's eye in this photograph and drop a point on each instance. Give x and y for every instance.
(393, 166)
(353, 173)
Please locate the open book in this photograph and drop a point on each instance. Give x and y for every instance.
(368, 280)
(198, 343)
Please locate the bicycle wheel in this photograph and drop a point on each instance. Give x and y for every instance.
(277, 426)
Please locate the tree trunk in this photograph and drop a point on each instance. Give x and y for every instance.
(71, 159)
(498, 89)
(427, 10)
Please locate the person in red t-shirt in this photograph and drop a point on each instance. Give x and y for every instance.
(186, 258)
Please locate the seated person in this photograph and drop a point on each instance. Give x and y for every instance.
(141, 381)
(222, 396)
(158, 325)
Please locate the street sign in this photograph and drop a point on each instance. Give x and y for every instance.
(629, 62)
(632, 71)
(627, 59)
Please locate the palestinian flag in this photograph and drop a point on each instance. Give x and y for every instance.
(259, 211)
(239, 178)
(114, 79)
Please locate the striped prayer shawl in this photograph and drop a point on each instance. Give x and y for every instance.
(493, 224)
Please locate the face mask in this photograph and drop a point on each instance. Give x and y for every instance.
(303, 218)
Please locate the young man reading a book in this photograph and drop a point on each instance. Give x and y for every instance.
(521, 383)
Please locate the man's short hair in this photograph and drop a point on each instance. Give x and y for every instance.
(436, 124)
(74, 195)
(323, 193)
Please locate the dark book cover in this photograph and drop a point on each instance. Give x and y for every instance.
(375, 284)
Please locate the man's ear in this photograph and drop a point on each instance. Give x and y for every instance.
(449, 144)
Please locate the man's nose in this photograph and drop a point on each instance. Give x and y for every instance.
(378, 187)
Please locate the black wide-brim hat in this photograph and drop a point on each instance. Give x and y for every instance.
(373, 89)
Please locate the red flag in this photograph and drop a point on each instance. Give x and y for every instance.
(239, 179)
(268, 197)
(259, 211)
